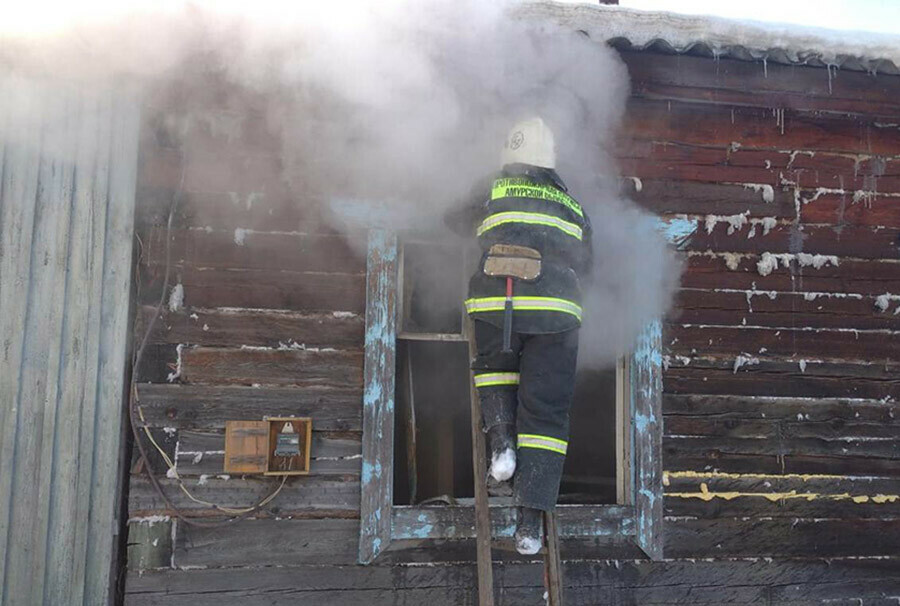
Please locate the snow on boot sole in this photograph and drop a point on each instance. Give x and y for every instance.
(503, 464)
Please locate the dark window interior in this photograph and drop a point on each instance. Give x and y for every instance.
(433, 446)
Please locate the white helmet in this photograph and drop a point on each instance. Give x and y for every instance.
(530, 142)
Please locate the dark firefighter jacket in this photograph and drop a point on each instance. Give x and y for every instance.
(528, 206)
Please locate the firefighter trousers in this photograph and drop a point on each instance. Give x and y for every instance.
(530, 389)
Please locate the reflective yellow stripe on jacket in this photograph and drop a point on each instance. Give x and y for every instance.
(518, 187)
(498, 219)
(527, 440)
(491, 379)
(522, 303)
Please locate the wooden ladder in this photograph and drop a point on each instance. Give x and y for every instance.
(552, 563)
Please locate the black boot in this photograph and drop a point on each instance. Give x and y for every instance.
(528, 530)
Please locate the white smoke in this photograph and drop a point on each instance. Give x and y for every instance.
(400, 106)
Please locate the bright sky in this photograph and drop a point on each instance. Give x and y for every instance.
(863, 15)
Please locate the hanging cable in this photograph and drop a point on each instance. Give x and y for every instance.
(136, 413)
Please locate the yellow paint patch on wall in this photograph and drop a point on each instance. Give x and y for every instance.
(706, 495)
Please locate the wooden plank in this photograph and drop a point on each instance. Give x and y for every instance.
(332, 453)
(150, 544)
(307, 496)
(783, 378)
(253, 249)
(304, 368)
(624, 475)
(212, 463)
(810, 343)
(631, 581)
(870, 277)
(553, 570)
(378, 400)
(664, 196)
(782, 170)
(159, 364)
(258, 328)
(167, 439)
(780, 537)
(721, 495)
(836, 411)
(645, 373)
(799, 427)
(264, 289)
(575, 521)
(342, 597)
(733, 81)
(712, 459)
(275, 209)
(756, 128)
(268, 542)
(845, 209)
(724, 307)
(222, 169)
(785, 446)
(858, 242)
(483, 530)
(203, 407)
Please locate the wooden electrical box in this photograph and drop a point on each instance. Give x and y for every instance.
(275, 446)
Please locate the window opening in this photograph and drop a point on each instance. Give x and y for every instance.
(433, 446)
(636, 519)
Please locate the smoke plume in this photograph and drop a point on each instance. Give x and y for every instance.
(390, 111)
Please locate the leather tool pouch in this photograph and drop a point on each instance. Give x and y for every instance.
(508, 261)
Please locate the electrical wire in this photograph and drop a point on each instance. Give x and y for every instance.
(136, 413)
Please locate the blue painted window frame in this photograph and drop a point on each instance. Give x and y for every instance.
(381, 522)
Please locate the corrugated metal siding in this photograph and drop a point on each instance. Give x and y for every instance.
(67, 178)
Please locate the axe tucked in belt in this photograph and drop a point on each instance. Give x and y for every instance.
(512, 262)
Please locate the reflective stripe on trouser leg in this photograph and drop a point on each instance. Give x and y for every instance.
(527, 440)
(539, 469)
(495, 379)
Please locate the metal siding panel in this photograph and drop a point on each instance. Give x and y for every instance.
(116, 292)
(18, 190)
(66, 220)
(40, 360)
(100, 194)
(78, 362)
(58, 196)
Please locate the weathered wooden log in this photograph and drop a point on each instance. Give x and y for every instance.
(266, 328)
(204, 407)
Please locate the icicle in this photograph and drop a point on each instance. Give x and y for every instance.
(828, 67)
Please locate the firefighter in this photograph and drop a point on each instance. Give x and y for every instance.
(536, 243)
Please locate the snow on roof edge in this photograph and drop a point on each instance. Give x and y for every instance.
(719, 37)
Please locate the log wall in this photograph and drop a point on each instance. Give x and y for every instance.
(780, 437)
